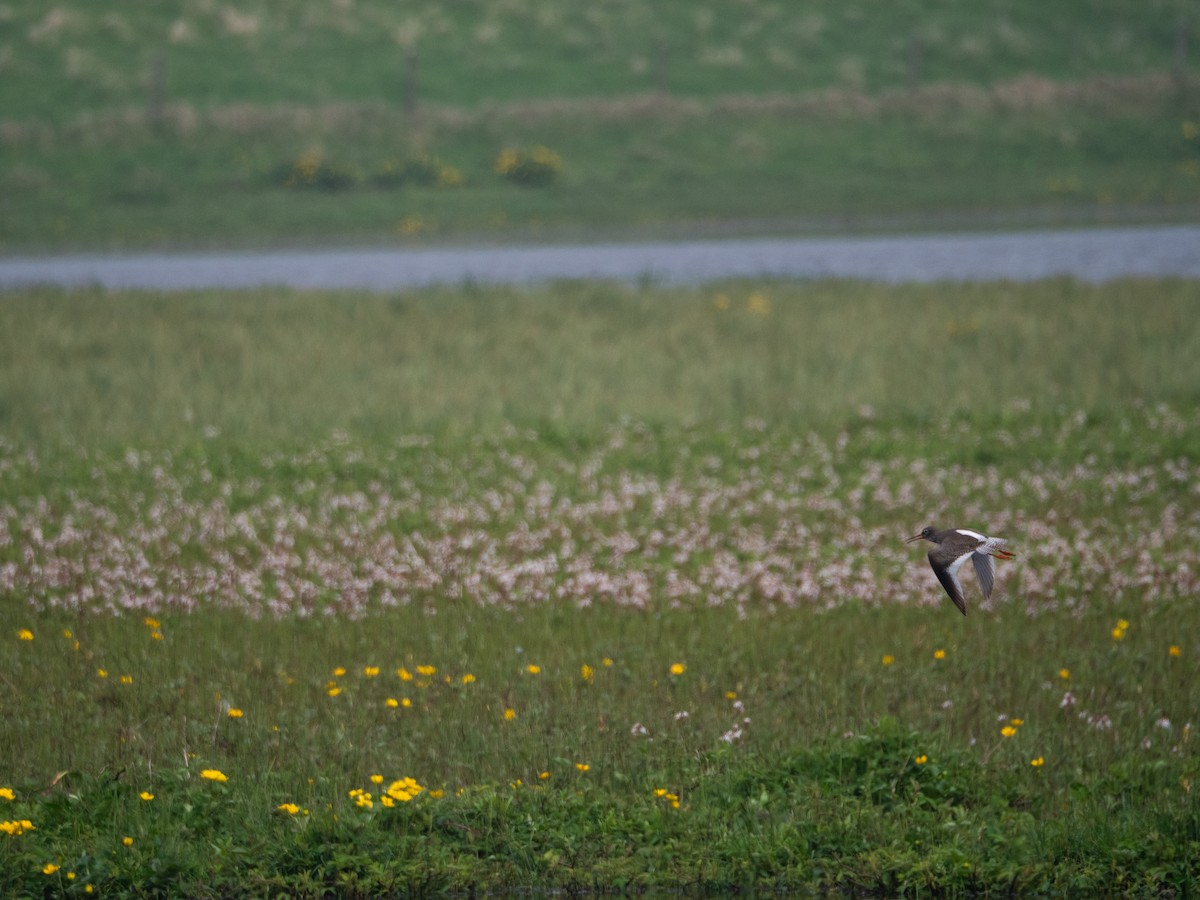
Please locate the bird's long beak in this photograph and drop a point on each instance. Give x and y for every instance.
(915, 537)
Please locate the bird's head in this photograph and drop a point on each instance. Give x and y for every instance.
(926, 533)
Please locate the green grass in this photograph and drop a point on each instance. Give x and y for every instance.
(787, 120)
(823, 789)
(662, 166)
(74, 58)
(280, 367)
(284, 504)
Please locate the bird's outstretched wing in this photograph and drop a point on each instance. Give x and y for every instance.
(950, 582)
(985, 571)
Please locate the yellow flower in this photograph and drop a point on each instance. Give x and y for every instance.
(427, 671)
(1118, 634)
(290, 808)
(587, 673)
(664, 794)
(151, 622)
(126, 679)
(543, 775)
(235, 713)
(731, 695)
(146, 795)
(606, 662)
(67, 633)
(405, 702)
(387, 801)
(24, 635)
(392, 702)
(678, 668)
(214, 775)
(921, 760)
(403, 674)
(888, 659)
(509, 714)
(49, 869)
(6, 793)
(533, 669)
(1174, 650)
(102, 673)
(127, 841)
(70, 876)
(939, 654)
(582, 767)
(758, 304)
(1123, 624)
(468, 678)
(1018, 722)
(404, 789)
(438, 794)
(1038, 762)
(376, 779)
(333, 691)
(370, 671)
(1008, 731)
(1064, 674)
(339, 671)
(156, 635)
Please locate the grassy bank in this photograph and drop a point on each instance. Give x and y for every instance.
(1018, 152)
(204, 125)
(73, 57)
(615, 576)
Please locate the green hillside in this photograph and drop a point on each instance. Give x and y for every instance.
(65, 59)
(206, 123)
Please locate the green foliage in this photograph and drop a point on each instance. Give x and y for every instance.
(312, 170)
(533, 167)
(420, 170)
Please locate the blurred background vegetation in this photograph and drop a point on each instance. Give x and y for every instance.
(251, 122)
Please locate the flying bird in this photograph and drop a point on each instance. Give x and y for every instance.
(954, 546)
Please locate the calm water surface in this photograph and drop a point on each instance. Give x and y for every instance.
(1091, 255)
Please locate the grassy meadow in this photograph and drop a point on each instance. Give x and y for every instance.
(598, 587)
(751, 117)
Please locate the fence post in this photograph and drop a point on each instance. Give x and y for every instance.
(158, 88)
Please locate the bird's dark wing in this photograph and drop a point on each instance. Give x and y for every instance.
(950, 583)
(985, 571)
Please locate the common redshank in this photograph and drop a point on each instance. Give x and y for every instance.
(953, 547)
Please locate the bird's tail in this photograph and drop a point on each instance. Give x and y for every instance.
(998, 548)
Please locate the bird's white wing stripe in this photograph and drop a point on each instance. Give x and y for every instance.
(969, 533)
